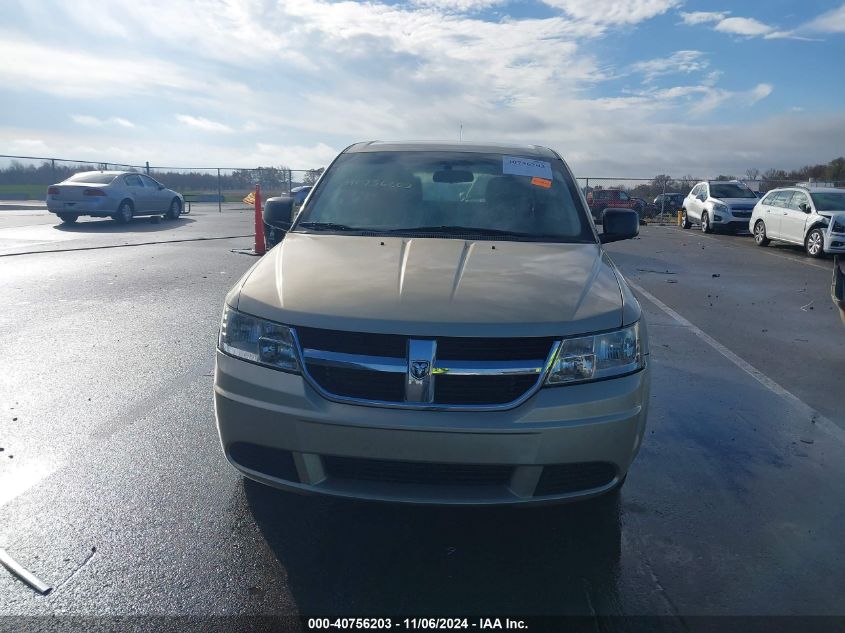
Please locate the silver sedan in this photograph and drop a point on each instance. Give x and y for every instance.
(117, 194)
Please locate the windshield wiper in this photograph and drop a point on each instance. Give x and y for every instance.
(462, 230)
(326, 226)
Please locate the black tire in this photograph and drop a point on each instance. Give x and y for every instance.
(175, 210)
(124, 213)
(68, 218)
(685, 223)
(760, 234)
(814, 243)
(705, 223)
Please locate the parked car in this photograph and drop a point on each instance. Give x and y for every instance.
(718, 205)
(600, 199)
(300, 193)
(121, 195)
(812, 218)
(669, 202)
(440, 324)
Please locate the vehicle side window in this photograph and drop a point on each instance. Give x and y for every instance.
(798, 198)
(768, 198)
(695, 190)
(149, 182)
(704, 192)
(782, 199)
(133, 181)
(624, 196)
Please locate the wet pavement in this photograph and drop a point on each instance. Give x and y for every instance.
(114, 489)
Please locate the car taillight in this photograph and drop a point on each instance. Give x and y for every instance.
(53, 191)
(94, 192)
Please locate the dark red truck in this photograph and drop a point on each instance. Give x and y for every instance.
(600, 199)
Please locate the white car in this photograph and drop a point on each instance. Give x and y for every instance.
(718, 204)
(812, 218)
(116, 194)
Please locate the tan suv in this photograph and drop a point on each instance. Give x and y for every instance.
(440, 324)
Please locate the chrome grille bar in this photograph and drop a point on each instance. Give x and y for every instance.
(355, 361)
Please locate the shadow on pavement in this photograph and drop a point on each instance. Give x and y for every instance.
(354, 558)
(142, 224)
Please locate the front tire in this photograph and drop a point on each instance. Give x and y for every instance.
(124, 213)
(760, 234)
(68, 218)
(814, 244)
(175, 210)
(685, 223)
(705, 223)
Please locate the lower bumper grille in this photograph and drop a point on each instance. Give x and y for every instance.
(565, 478)
(274, 462)
(422, 473)
(481, 389)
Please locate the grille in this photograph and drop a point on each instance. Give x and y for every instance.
(481, 389)
(422, 473)
(356, 383)
(563, 478)
(371, 383)
(353, 342)
(264, 459)
(493, 348)
(742, 214)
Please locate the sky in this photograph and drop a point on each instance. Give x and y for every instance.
(620, 88)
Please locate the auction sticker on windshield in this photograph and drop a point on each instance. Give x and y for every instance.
(516, 166)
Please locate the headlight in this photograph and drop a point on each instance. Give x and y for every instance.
(258, 341)
(596, 357)
(838, 227)
(718, 206)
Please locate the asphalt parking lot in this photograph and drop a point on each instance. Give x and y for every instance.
(113, 488)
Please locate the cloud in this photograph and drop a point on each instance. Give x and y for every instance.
(87, 76)
(760, 92)
(679, 62)
(723, 22)
(702, 17)
(458, 6)
(831, 22)
(614, 11)
(92, 121)
(201, 123)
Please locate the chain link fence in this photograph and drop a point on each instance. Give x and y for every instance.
(27, 178)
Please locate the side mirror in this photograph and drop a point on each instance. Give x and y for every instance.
(619, 224)
(804, 207)
(160, 187)
(277, 215)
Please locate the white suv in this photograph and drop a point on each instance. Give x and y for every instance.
(813, 218)
(718, 204)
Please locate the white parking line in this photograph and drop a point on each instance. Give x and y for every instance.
(805, 410)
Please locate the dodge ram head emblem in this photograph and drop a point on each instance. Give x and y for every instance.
(420, 369)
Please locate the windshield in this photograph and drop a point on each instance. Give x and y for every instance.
(730, 190)
(92, 177)
(832, 201)
(457, 194)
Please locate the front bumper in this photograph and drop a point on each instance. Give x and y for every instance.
(834, 243)
(564, 443)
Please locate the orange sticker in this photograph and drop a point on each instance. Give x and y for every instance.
(541, 182)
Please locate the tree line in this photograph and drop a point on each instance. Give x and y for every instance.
(831, 173)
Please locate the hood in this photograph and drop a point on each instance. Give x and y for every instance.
(435, 287)
(738, 202)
